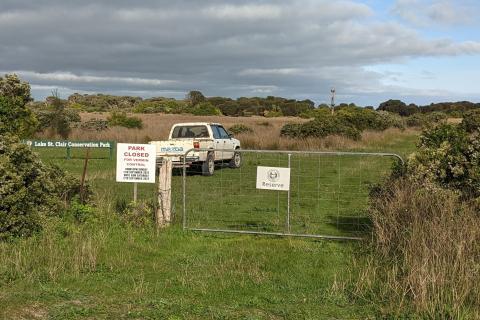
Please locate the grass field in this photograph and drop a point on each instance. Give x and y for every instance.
(108, 269)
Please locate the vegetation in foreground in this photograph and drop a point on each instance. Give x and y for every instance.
(425, 255)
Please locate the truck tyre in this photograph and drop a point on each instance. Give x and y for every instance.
(236, 161)
(208, 166)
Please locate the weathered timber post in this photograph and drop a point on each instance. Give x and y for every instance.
(163, 214)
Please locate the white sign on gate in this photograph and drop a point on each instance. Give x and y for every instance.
(136, 162)
(273, 178)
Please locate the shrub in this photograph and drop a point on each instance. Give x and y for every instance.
(240, 128)
(347, 121)
(363, 119)
(320, 128)
(94, 125)
(136, 213)
(398, 107)
(80, 212)
(316, 113)
(426, 119)
(120, 119)
(29, 190)
(450, 157)
(273, 114)
(205, 109)
(471, 121)
(15, 117)
(56, 117)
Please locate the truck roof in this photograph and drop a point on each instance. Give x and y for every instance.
(196, 124)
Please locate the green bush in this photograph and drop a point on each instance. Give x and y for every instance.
(120, 119)
(363, 119)
(94, 125)
(449, 156)
(205, 109)
(273, 114)
(425, 119)
(81, 212)
(136, 213)
(56, 118)
(471, 121)
(348, 121)
(240, 128)
(316, 113)
(320, 128)
(160, 105)
(29, 189)
(15, 117)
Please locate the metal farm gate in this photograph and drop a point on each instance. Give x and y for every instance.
(328, 195)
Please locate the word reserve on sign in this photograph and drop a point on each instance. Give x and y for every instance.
(273, 178)
(136, 162)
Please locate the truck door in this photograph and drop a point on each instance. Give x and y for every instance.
(222, 141)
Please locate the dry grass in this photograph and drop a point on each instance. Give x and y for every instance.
(266, 133)
(427, 253)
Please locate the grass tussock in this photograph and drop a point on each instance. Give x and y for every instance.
(61, 249)
(427, 257)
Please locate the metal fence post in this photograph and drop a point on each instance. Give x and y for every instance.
(111, 150)
(288, 197)
(184, 216)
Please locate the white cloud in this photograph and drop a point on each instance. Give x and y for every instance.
(270, 72)
(440, 12)
(70, 77)
(250, 11)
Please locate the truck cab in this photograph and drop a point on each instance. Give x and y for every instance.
(210, 141)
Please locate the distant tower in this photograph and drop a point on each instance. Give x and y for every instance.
(332, 101)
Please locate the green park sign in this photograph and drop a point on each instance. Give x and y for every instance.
(68, 145)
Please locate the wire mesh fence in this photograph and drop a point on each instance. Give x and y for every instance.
(328, 194)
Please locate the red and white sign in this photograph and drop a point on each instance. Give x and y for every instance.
(136, 162)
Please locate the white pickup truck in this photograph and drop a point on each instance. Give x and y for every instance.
(213, 142)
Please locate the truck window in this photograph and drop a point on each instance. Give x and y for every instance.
(190, 132)
(216, 132)
(223, 133)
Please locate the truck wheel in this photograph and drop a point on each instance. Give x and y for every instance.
(208, 166)
(236, 161)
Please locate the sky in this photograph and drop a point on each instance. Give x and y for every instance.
(418, 51)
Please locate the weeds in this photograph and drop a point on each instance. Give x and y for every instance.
(427, 257)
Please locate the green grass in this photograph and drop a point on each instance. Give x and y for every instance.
(106, 268)
(141, 275)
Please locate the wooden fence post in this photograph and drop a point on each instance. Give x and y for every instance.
(163, 214)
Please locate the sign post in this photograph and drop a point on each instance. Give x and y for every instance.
(136, 163)
(163, 214)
